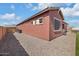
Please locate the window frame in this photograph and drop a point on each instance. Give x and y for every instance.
(38, 20)
(60, 29)
(34, 22)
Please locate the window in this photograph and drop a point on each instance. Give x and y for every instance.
(38, 21)
(57, 24)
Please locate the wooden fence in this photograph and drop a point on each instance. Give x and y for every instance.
(3, 32)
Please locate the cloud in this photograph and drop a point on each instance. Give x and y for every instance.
(28, 5)
(45, 5)
(74, 11)
(12, 7)
(9, 16)
(9, 22)
(65, 7)
(41, 6)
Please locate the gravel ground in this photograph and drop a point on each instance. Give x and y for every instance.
(61, 46)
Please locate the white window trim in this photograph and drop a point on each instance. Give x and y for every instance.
(60, 29)
(34, 22)
(37, 21)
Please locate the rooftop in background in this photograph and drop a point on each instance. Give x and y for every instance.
(9, 26)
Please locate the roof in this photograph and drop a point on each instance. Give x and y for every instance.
(65, 22)
(0, 26)
(10, 26)
(45, 10)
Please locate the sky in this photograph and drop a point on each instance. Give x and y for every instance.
(14, 13)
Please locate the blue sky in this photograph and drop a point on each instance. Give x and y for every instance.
(14, 13)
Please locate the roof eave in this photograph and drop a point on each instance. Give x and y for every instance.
(43, 11)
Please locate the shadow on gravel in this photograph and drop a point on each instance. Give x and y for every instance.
(10, 46)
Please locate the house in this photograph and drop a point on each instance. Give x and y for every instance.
(46, 24)
(10, 28)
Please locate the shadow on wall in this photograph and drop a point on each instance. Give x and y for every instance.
(10, 46)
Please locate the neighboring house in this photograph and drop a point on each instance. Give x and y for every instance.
(47, 24)
(10, 28)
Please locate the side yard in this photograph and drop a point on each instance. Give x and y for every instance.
(61, 46)
(20, 44)
(11, 47)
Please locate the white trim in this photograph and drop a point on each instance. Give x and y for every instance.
(60, 29)
(33, 22)
(38, 20)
